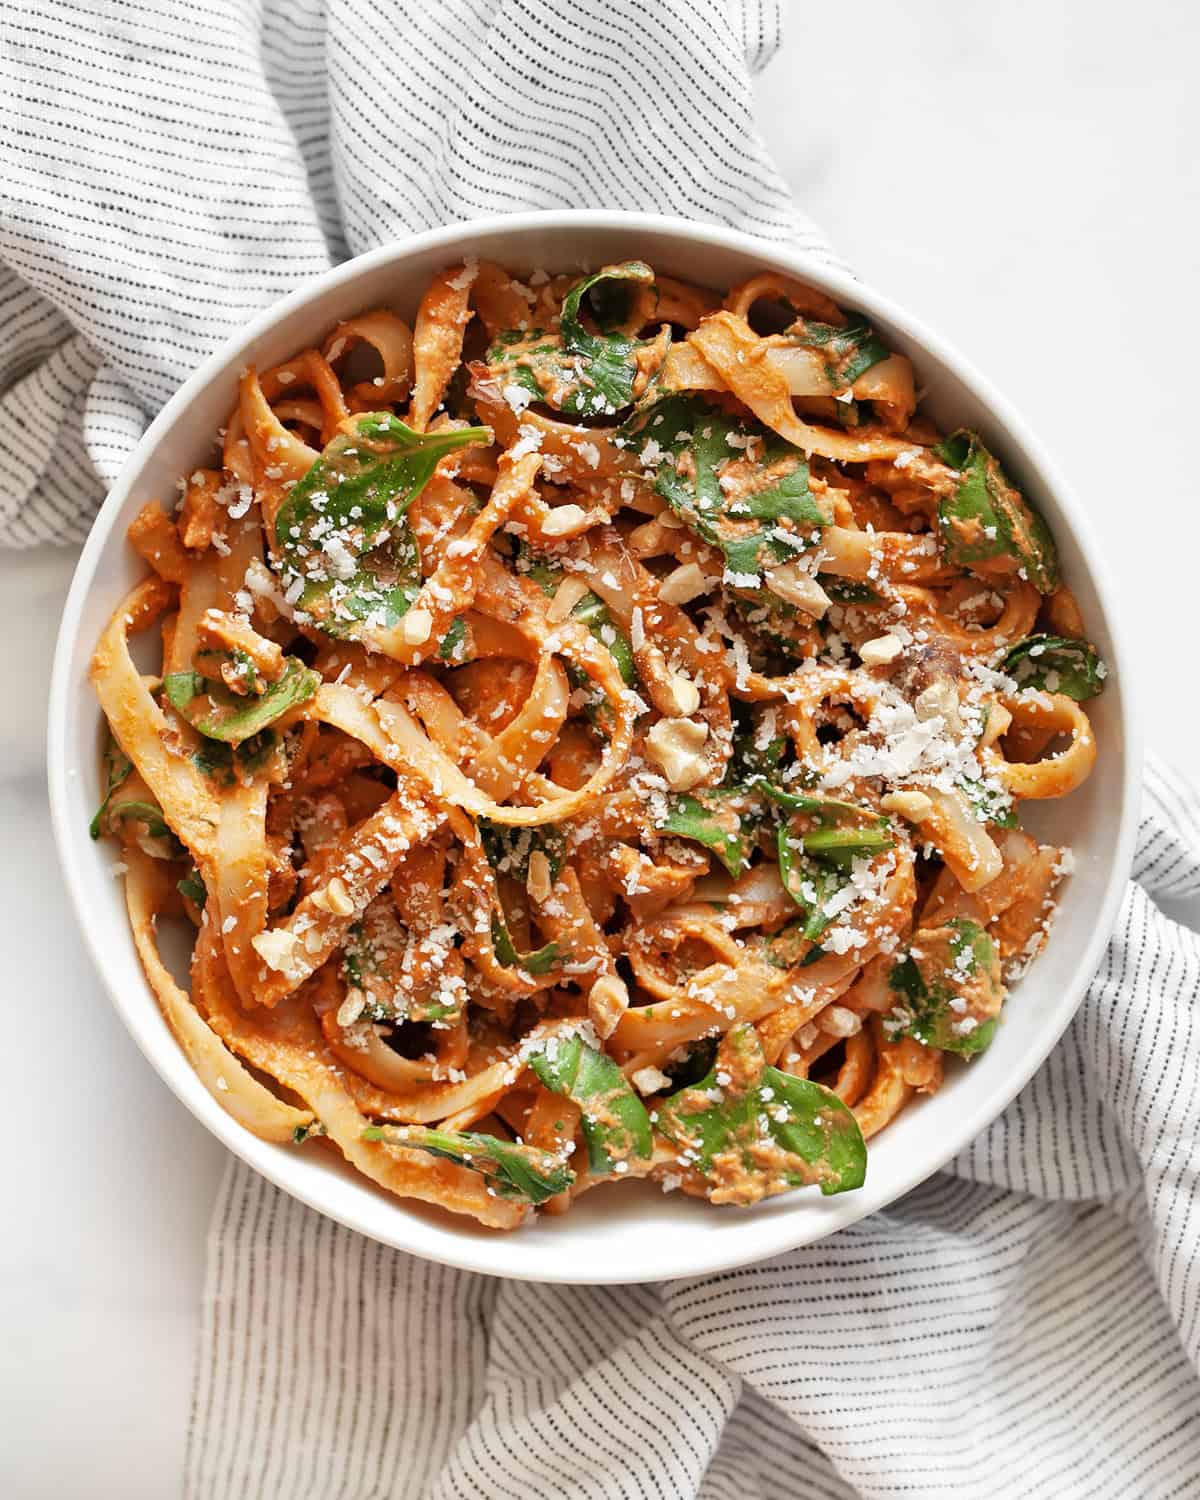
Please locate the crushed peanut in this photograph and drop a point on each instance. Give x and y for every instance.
(675, 745)
(915, 806)
(416, 626)
(607, 1003)
(563, 519)
(791, 583)
(880, 651)
(686, 583)
(539, 884)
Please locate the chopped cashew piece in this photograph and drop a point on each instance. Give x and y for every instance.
(686, 583)
(915, 806)
(351, 1007)
(880, 651)
(684, 694)
(562, 519)
(416, 626)
(939, 698)
(276, 949)
(607, 1003)
(649, 1081)
(793, 585)
(568, 594)
(839, 1020)
(675, 745)
(335, 898)
(539, 885)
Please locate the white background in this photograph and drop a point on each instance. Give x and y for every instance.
(1024, 178)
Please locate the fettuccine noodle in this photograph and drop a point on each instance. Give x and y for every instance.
(587, 740)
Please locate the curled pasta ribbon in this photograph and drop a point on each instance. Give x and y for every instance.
(142, 730)
(740, 359)
(1020, 611)
(288, 1044)
(565, 456)
(1056, 775)
(391, 339)
(275, 456)
(234, 1088)
(442, 320)
(454, 582)
(892, 556)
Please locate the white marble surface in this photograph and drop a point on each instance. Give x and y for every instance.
(1023, 177)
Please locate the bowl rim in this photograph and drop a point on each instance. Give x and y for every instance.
(777, 1234)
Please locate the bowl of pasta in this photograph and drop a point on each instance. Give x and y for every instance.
(612, 740)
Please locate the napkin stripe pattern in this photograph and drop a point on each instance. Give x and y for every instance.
(309, 131)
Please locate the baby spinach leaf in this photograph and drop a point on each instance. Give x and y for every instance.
(193, 887)
(705, 821)
(576, 371)
(817, 846)
(591, 611)
(117, 769)
(508, 849)
(348, 558)
(540, 961)
(756, 752)
(846, 590)
(693, 447)
(156, 838)
(1056, 664)
(989, 802)
(987, 517)
(225, 763)
(949, 988)
(218, 714)
(454, 641)
(616, 1126)
(846, 352)
(753, 1130)
(807, 881)
(512, 1170)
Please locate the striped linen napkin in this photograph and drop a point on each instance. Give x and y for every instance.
(1027, 1323)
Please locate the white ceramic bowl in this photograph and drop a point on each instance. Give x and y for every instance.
(634, 1233)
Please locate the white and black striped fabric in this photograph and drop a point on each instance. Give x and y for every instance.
(1026, 1324)
(167, 167)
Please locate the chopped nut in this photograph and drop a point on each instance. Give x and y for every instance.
(539, 884)
(416, 626)
(351, 1007)
(838, 1020)
(807, 1035)
(276, 949)
(563, 519)
(607, 1003)
(675, 746)
(337, 898)
(791, 583)
(649, 1081)
(568, 594)
(939, 698)
(915, 806)
(684, 584)
(880, 651)
(683, 694)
